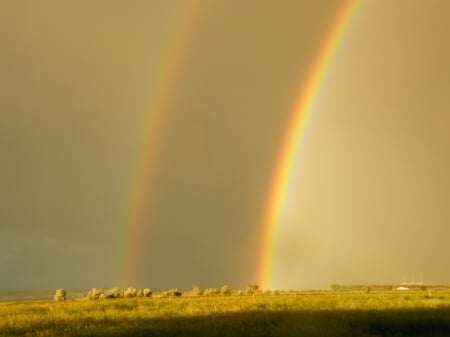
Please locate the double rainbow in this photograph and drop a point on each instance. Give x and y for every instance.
(171, 56)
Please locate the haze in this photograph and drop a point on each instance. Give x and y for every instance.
(368, 202)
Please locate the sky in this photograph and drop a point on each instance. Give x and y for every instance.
(368, 199)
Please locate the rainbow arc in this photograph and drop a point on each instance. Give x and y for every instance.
(303, 109)
(172, 54)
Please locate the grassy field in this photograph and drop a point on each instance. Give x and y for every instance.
(330, 313)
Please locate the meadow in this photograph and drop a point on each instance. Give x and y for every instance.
(320, 313)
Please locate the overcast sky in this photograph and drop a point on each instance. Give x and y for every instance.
(369, 200)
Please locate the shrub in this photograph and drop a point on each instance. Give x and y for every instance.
(95, 294)
(197, 291)
(114, 293)
(60, 295)
(211, 292)
(171, 293)
(225, 290)
(147, 292)
(267, 292)
(131, 292)
(175, 292)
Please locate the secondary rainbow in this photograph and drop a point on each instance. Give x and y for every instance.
(170, 56)
(305, 102)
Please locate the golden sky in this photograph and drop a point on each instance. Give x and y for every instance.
(369, 199)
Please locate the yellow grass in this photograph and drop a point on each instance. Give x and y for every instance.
(293, 314)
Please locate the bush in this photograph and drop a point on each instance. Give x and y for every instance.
(175, 292)
(211, 292)
(267, 292)
(131, 292)
(95, 294)
(60, 295)
(171, 293)
(114, 293)
(197, 291)
(225, 290)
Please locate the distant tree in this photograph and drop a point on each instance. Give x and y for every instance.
(252, 289)
(60, 295)
(335, 286)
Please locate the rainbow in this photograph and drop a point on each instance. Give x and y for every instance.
(171, 54)
(301, 114)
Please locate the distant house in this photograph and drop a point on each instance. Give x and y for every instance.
(401, 288)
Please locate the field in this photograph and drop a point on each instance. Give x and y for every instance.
(326, 313)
